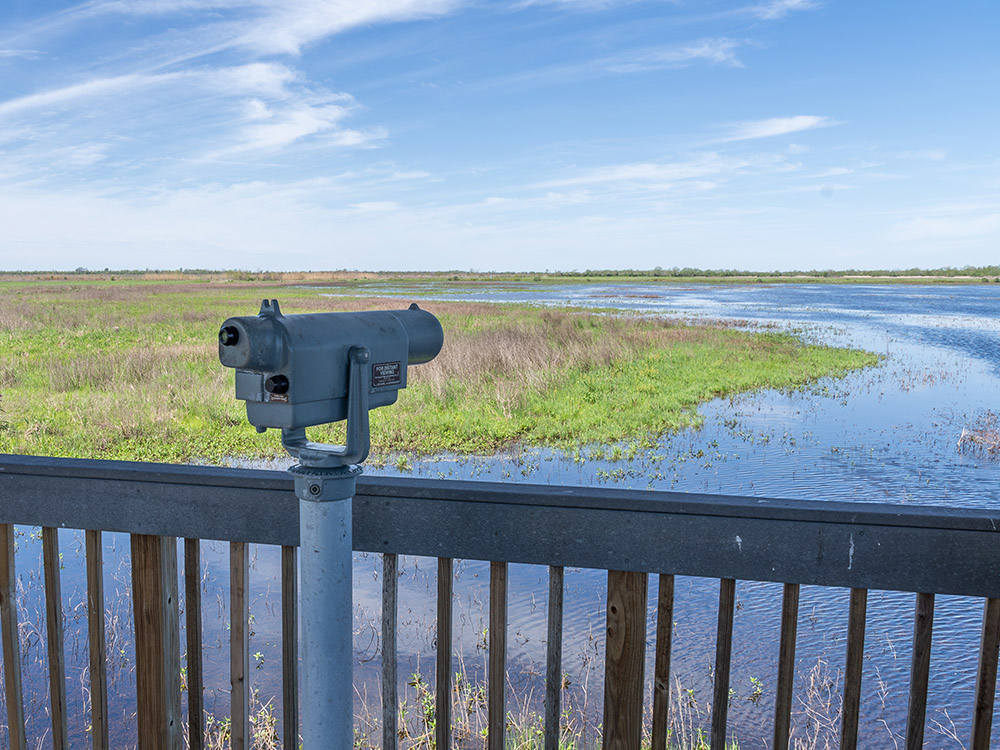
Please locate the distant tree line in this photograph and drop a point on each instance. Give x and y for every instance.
(687, 272)
(658, 272)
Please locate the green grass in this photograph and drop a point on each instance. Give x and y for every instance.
(129, 370)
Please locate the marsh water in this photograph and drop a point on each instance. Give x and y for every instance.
(886, 434)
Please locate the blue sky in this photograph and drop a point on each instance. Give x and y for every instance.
(442, 134)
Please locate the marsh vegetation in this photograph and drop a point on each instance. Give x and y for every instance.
(129, 370)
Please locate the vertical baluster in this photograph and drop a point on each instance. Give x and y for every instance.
(852, 672)
(986, 676)
(723, 660)
(390, 611)
(11, 641)
(157, 641)
(54, 638)
(96, 640)
(171, 641)
(553, 659)
(786, 665)
(239, 645)
(920, 667)
(445, 580)
(624, 660)
(496, 699)
(661, 669)
(290, 648)
(192, 607)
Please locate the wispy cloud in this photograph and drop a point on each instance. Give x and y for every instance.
(928, 154)
(768, 10)
(260, 79)
(162, 7)
(270, 128)
(651, 172)
(576, 4)
(949, 223)
(202, 114)
(28, 53)
(700, 171)
(97, 87)
(154, 90)
(373, 207)
(773, 126)
(287, 27)
(82, 155)
(279, 128)
(275, 27)
(779, 8)
(720, 50)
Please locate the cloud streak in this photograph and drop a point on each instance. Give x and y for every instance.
(12, 53)
(94, 88)
(146, 124)
(776, 9)
(275, 128)
(720, 50)
(744, 131)
(701, 172)
(150, 104)
(948, 224)
(289, 26)
(268, 27)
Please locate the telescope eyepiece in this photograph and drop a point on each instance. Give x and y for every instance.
(228, 336)
(276, 384)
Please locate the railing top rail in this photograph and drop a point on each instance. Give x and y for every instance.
(521, 493)
(861, 545)
(143, 471)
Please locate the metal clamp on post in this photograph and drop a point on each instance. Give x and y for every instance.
(328, 472)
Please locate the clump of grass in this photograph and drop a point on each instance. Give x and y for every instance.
(982, 437)
(129, 370)
(821, 710)
(263, 729)
(524, 727)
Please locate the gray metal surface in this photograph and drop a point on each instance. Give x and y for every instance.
(326, 616)
(294, 369)
(877, 546)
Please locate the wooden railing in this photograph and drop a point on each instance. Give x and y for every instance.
(628, 533)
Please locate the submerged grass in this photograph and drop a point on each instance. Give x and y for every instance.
(129, 370)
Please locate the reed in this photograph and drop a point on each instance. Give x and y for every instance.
(982, 437)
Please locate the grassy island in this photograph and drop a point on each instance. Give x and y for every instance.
(127, 369)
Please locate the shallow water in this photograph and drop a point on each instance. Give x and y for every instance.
(887, 434)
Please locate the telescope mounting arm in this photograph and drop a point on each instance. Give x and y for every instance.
(324, 456)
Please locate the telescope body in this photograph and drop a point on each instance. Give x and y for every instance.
(293, 370)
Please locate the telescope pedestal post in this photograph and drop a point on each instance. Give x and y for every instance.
(326, 611)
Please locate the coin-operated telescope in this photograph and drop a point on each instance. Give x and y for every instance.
(294, 372)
